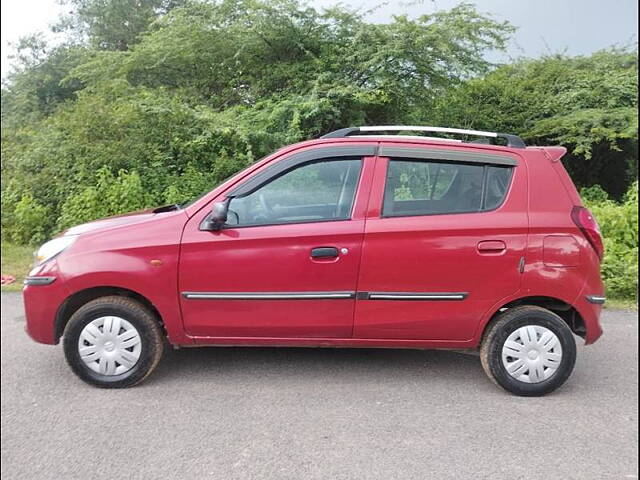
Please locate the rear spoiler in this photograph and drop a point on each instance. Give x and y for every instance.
(554, 153)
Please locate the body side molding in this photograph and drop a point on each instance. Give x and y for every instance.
(411, 296)
(417, 296)
(268, 295)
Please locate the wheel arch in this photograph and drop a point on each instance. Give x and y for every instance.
(72, 303)
(564, 310)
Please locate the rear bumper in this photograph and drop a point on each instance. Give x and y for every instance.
(41, 303)
(589, 306)
(597, 299)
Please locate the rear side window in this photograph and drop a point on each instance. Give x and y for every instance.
(418, 187)
(497, 183)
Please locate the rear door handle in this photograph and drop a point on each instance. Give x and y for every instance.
(491, 246)
(324, 252)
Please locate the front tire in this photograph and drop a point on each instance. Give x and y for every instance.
(529, 351)
(113, 342)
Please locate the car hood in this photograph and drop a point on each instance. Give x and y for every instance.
(119, 220)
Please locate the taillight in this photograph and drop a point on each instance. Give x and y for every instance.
(587, 223)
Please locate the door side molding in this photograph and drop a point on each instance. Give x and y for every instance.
(268, 295)
(411, 296)
(416, 296)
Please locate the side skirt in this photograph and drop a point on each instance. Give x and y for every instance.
(330, 343)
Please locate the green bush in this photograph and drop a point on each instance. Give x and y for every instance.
(111, 195)
(27, 220)
(619, 225)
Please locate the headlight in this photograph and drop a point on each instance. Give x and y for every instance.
(52, 248)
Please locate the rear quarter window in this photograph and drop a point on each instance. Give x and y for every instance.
(419, 187)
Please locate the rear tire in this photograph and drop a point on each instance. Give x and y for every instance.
(113, 342)
(529, 351)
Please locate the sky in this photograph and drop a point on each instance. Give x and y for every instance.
(574, 27)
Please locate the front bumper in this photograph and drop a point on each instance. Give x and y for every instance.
(42, 298)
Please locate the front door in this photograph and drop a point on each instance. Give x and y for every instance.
(445, 241)
(286, 263)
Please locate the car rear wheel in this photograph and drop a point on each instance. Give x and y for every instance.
(113, 342)
(528, 351)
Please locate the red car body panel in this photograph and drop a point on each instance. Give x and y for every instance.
(527, 247)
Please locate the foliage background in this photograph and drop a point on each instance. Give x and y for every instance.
(149, 102)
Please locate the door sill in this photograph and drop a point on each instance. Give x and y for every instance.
(200, 341)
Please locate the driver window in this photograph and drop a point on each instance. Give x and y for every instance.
(318, 191)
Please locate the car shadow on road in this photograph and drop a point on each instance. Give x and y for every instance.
(349, 364)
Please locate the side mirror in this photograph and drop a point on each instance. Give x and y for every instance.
(218, 216)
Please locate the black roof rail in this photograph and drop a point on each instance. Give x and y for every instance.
(512, 140)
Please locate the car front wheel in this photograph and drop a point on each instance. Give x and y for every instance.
(528, 351)
(113, 342)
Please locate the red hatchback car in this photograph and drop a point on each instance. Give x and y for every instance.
(357, 239)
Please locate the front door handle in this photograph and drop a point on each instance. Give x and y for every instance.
(324, 252)
(491, 246)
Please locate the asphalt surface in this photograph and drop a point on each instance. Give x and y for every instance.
(263, 413)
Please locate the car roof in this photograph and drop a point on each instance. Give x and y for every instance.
(404, 139)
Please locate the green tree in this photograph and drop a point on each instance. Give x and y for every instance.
(35, 87)
(239, 52)
(111, 24)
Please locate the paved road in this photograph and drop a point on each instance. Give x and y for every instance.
(241, 413)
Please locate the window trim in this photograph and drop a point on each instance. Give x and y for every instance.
(282, 166)
(291, 222)
(456, 156)
(429, 160)
(302, 162)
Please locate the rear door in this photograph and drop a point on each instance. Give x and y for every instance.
(445, 240)
(286, 263)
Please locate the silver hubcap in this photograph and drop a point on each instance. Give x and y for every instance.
(532, 354)
(109, 345)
